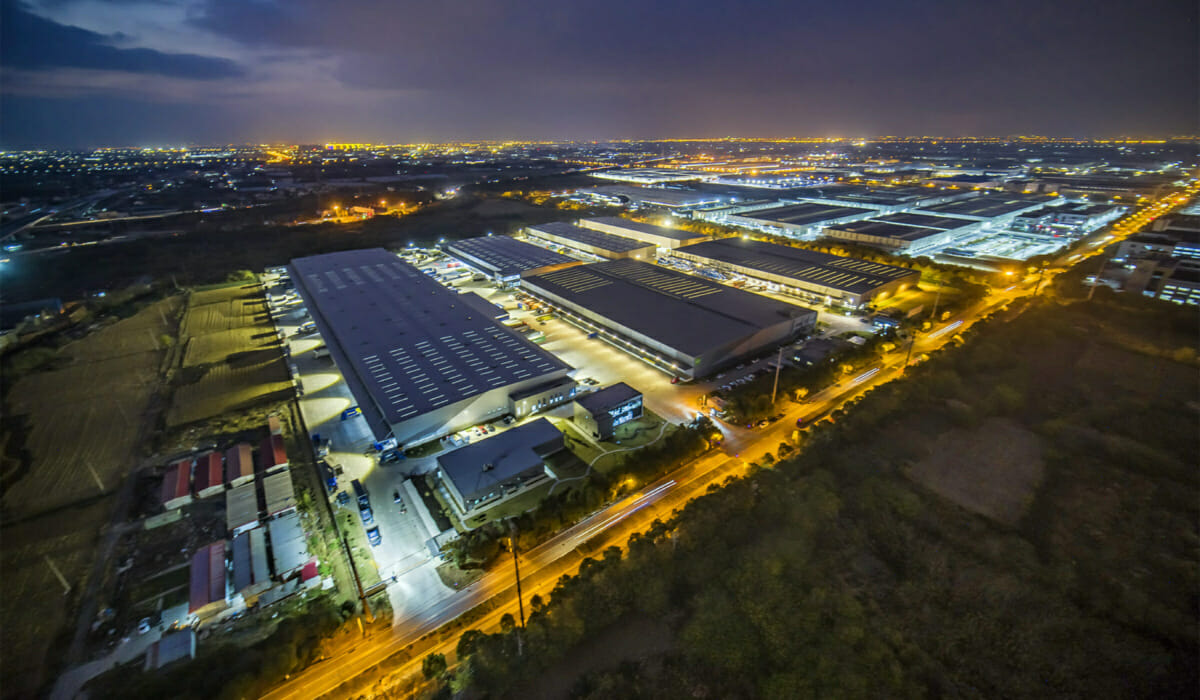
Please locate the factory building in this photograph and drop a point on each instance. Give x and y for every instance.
(658, 236)
(486, 473)
(652, 176)
(884, 200)
(656, 198)
(505, 259)
(813, 276)
(892, 237)
(798, 220)
(685, 325)
(420, 360)
(592, 242)
(994, 211)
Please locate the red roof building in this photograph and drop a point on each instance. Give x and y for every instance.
(239, 465)
(177, 483)
(272, 455)
(207, 581)
(209, 477)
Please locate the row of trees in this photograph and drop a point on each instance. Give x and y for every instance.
(834, 574)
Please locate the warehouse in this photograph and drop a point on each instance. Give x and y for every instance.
(494, 469)
(687, 326)
(996, 211)
(659, 236)
(655, 198)
(814, 276)
(798, 220)
(506, 259)
(893, 237)
(598, 243)
(419, 360)
(884, 200)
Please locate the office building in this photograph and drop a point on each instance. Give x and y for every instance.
(600, 413)
(485, 473)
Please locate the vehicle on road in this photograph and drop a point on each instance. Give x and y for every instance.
(143, 625)
(351, 412)
(374, 537)
(321, 353)
(396, 496)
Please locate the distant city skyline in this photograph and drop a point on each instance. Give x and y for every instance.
(85, 73)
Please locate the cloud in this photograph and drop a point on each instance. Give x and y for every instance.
(31, 42)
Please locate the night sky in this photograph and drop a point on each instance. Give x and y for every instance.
(158, 72)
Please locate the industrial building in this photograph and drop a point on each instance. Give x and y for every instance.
(652, 176)
(483, 474)
(598, 243)
(685, 325)
(813, 276)
(996, 211)
(896, 238)
(884, 200)
(658, 236)
(505, 259)
(206, 581)
(798, 220)
(600, 413)
(661, 198)
(420, 360)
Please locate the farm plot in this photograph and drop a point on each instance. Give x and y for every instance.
(35, 603)
(230, 386)
(216, 347)
(79, 438)
(233, 355)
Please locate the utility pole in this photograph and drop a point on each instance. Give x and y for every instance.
(936, 299)
(1096, 279)
(778, 366)
(1037, 287)
(512, 540)
(912, 340)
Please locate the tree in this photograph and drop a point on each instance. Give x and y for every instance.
(433, 666)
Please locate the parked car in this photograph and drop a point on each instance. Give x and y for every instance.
(367, 516)
(396, 496)
(374, 537)
(343, 499)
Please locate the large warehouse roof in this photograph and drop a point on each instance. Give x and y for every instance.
(805, 214)
(683, 312)
(406, 341)
(505, 256)
(661, 231)
(589, 237)
(833, 271)
(882, 229)
(988, 206)
(927, 220)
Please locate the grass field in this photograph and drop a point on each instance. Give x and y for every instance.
(81, 425)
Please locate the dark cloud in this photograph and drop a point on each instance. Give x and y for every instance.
(28, 41)
(403, 69)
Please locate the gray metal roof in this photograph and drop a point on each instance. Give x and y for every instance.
(508, 453)
(689, 314)
(989, 206)
(590, 237)
(662, 231)
(833, 271)
(882, 229)
(805, 214)
(406, 341)
(608, 397)
(927, 220)
(505, 256)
